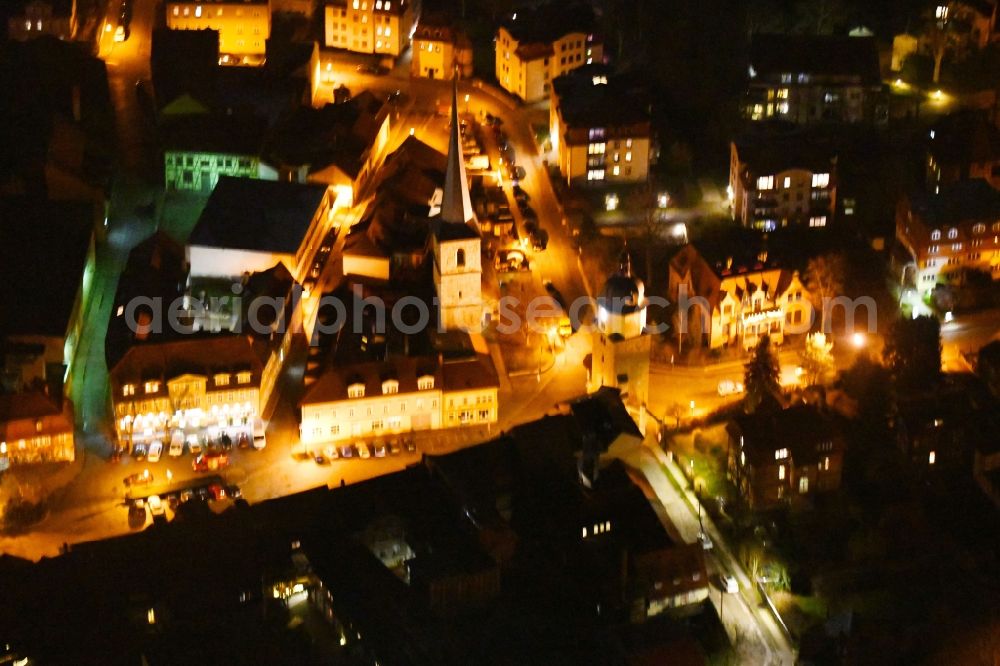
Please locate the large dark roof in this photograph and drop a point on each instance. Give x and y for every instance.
(771, 152)
(582, 103)
(184, 61)
(261, 215)
(965, 137)
(195, 354)
(964, 201)
(214, 133)
(43, 252)
(816, 55)
(797, 428)
(550, 21)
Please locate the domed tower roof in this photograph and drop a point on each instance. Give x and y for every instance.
(623, 292)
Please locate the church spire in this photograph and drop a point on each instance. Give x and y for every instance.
(456, 204)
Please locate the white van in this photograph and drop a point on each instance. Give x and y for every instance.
(176, 443)
(259, 440)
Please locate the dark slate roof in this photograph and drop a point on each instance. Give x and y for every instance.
(797, 428)
(816, 55)
(261, 215)
(769, 153)
(214, 133)
(43, 252)
(959, 202)
(550, 21)
(965, 137)
(620, 101)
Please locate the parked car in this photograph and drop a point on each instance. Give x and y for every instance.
(156, 508)
(729, 584)
(194, 445)
(331, 452)
(364, 451)
(380, 450)
(347, 451)
(217, 492)
(320, 459)
(243, 441)
(136, 513)
(233, 492)
(705, 541)
(176, 444)
(730, 387)
(143, 478)
(259, 438)
(394, 448)
(155, 449)
(409, 445)
(210, 462)
(139, 451)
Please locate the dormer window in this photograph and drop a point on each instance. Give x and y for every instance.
(978, 228)
(222, 379)
(821, 180)
(936, 235)
(780, 454)
(151, 387)
(425, 383)
(243, 377)
(953, 233)
(128, 389)
(390, 386)
(356, 390)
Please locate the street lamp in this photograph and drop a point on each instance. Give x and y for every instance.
(858, 340)
(692, 409)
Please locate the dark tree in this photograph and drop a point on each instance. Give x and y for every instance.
(988, 366)
(913, 352)
(761, 377)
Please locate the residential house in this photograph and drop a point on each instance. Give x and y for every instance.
(35, 427)
(808, 79)
(534, 47)
(961, 146)
(440, 49)
(942, 236)
(200, 148)
(781, 456)
(599, 123)
(777, 180)
(729, 304)
(243, 26)
(57, 18)
(380, 27)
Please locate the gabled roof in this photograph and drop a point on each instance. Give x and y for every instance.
(620, 100)
(259, 215)
(550, 21)
(770, 153)
(816, 55)
(333, 384)
(799, 429)
(202, 355)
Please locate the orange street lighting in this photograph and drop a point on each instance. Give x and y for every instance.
(858, 340)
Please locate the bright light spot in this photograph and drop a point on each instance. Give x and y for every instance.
(938, 95)
(932, 133)
(466, 98)
(949, 317)
(611, 202)
(662, 200)
(151, 616)
(514, 18)
(107, 27)
(413, 131)
(858, 340)
(931, 458)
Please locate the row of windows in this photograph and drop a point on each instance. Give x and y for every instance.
(819, 180)
(220, 379)
(977, 229)
(187, 11)
(386, 408)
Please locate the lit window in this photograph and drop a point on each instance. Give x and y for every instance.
(931, 458)
(781, 472)
(222, 379)
(595, 174)
(783, 93)
(787, 182)
(615, 170)
(941, 12)
(38, 425)
(628, 156)
(821, 180)
(596, 149)
(387, 6)
(364, 18)
(390, 386)
(177, 10)
(782, 107)
(425, 383)
(357, 4)
(803, 485)
(378, 43)
(936, 234)
(584, 532)
(378, 4)
(151, 387)
(826, 463)
(378, 31)
(979, 228)
(955, 247)
(953, 233)
(780, 454)
(243, 378)
(151, 616)
(197, 11)
(128, 389)
(388, 31)
(817, 221)
(187, 11)
(356, 391)
(934, 249)
(765, 183)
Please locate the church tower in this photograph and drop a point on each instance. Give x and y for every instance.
(456, 243)
(621, 347)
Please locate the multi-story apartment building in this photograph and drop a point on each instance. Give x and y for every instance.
(381, 27)
(945, 235)
(777, 181)
(44, 17)
(814, 79)
(730, 305)
(35, 427)
(399, 395)
(535, 47)
(439, 49)
(243, 25)
(775, 458)
(600, 126)
(963, 145)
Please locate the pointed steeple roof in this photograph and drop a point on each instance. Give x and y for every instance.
(456, 204)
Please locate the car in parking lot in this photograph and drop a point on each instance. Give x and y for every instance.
(394, 448)
(520, 195)
(730, 387)
(176, 444)
(380, 450)
(364, 451)
(194, 445)
(409, 445)
(705, 541)
(136, 513)
(143, 478)
(156, 508)
(729, 584)
(210, 463)
(347, 451)
(331, 452)
(320, 459)
(243, 441)
(374, 70)
(155, 449)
